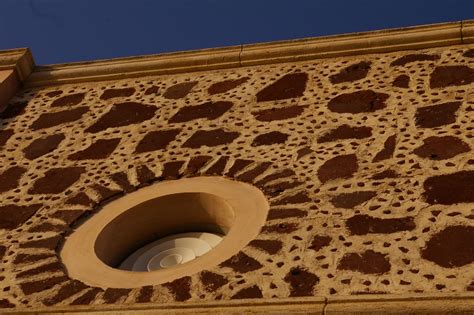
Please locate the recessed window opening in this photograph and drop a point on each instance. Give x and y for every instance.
(164, 232)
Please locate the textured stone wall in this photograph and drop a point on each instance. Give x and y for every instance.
(367, 163)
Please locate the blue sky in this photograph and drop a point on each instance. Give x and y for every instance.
(60, 31)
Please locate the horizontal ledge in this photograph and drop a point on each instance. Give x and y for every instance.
(367, 304)
(418, 37)
(453, 303)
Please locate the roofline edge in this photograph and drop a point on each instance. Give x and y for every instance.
(389, 40)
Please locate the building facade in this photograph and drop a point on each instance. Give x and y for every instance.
(345, 164)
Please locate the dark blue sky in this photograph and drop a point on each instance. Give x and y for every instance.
(74, 30)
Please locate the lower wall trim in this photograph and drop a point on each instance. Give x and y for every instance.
(360, 304)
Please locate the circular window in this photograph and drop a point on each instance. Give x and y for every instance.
(164, 232)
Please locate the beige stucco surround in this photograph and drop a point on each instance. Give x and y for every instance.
(245, 215)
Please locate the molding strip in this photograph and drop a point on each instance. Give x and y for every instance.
(360, 304)
(418, 37)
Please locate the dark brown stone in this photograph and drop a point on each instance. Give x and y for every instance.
(68, 216)
(275, 214)
(469, 53)
(69, 100)
(241, 263)
(366, 101)
(26, 258)
(10, 178)
(87, 297)
(279, 113)
(145, 175)
(180, 288)
(4, 136)
(48, 243)
(13, 110)
(436, 115)
(3, 249)
(123, 114)
(179, 90)
(451, 76)
(112, 295)
(252, 292)
(272, 137)
(12, 216)
(112, 93)
(413, 58)
(209, 110)
(4, 303)
(121, 179)
(280, 228)
(277, 189)
(402, 81)
(80, 199)
(227, 85)
(303, 152)
(152, 90)
(450, 189)
(42, 146)
(300, 197)
(368, 262)
(41, 285)
(156, 140)
(452, 247)
(46, 227)
(218, 167)
(145, 294)
(342, 166)
(351, 73)
(172, 170)
(105, 193)
(353, 199)
(388, 149)
(346, 132)
(270, 246)
(69, 289)
(364, 224)
(441, 148)
(278, 175)
(212, 281)
(48, 120)
(319, 242)
(51, 267)
(56, 180)
(385, 174)
(250, 175)
(98, 150)
(470, 287)
(301, 282)
(196, 163)
(53, 93)
(210, 138)
(289, 86)
(238, 165)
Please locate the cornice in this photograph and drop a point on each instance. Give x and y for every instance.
(410, 38)
(20, 60)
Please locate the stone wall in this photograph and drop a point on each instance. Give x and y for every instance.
(366, 161)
